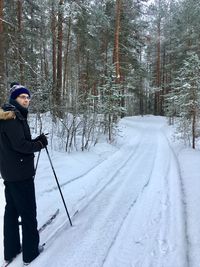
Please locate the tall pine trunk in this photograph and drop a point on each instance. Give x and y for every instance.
(20, 43)
(193, 128)
(194, 114)
(59, 59)
(158, 70)
(66, 65)
(54, 70)
(53, 28)
(116, 51)
(2, 57)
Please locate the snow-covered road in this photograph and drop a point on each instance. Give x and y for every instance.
(130, 206)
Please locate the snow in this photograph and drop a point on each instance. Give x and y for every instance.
(133, 203)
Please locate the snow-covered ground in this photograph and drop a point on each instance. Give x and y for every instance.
(132, 204)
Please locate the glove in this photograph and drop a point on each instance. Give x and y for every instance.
(36, 139)
(42, 139)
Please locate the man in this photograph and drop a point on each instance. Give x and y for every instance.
(17, 169)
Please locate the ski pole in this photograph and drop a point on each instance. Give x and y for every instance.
(58, 185)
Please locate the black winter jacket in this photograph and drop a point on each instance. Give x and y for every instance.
(16, 146)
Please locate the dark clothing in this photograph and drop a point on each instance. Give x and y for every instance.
(17, 169)
(20, 201)
(16, 148)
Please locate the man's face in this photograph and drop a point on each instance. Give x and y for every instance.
(23, 100)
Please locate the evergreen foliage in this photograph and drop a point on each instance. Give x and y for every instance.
(65, 52)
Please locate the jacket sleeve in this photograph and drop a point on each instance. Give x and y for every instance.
(15, 134)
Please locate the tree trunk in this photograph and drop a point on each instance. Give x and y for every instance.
(2, 58)
(193, 128)
(141, 91)
(59, 58)
(158, 68)
(104, 51)
(20, 43)
(194, 114)
(116, 51)
(53, 27)
(65, 78)
(163, 84)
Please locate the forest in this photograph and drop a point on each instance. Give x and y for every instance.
(90, 63)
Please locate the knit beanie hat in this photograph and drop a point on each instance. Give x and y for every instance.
(18, 89)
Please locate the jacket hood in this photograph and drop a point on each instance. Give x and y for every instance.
(7, 115)
(13, 111)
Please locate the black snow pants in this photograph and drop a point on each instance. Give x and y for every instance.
(20, 201)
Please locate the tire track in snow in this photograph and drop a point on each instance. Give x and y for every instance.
(155, 242)
(117, 191)
(133, 156)
(126, 229)
(113, 243)
(184, 204)
(172, 238)
(91, 197)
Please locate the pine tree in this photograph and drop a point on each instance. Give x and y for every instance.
(2, 56)
(185, 97)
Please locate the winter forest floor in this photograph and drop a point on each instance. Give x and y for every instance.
(135, 203)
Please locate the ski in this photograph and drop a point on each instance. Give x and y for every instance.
(40, 230)
(49, 221)
(6, 263)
